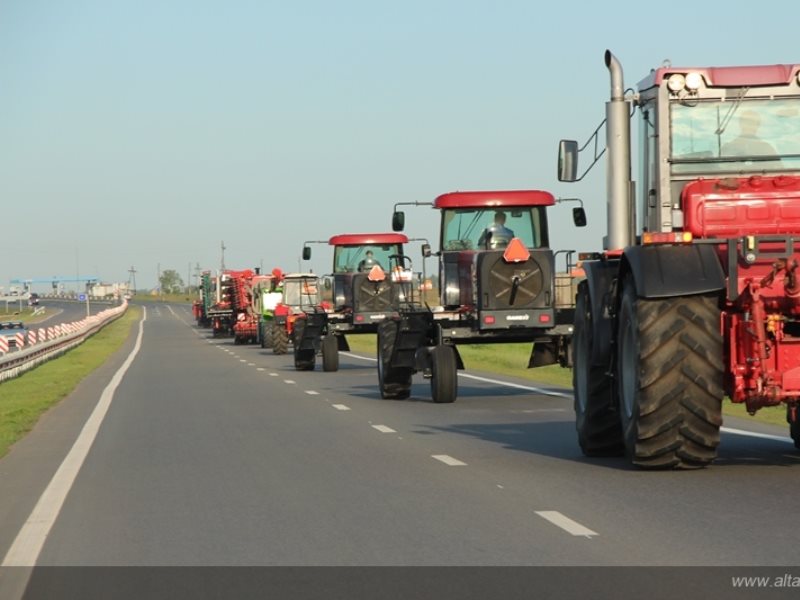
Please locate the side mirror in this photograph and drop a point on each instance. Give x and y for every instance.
(306, 252)
(579, 216)
(398, 220)
(568, 160)
(426, 250)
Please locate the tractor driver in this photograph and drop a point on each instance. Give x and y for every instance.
(496, 235)
(367, 262)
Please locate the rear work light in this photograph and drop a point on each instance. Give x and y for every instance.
(679, 237)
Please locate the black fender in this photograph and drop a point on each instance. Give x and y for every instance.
(663, 271)
(600, 278)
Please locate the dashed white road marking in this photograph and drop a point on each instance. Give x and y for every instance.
(312, 393)
(273, 374)
(260, 369)
(340, 406)
(449, 460)
(172, 311)
(384, 429)
(251, 364)
(289, 381)
(565, 523)
(242, 360)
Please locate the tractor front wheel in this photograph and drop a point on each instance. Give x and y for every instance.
(304, 360)
(330, 353)
(394, 383)
(444, 379)
(596, 420)
(794, 430)
(670, 374)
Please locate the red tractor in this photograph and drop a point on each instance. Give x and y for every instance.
(299, 317)
(497, 285)
(365, 290)
(702, 300)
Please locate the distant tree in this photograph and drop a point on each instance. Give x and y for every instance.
(171, 282)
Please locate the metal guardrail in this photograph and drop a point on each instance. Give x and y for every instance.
(14, 364)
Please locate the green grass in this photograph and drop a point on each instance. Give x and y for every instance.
(174, 298)
(24, 399)
(26, 315)
(512, 359)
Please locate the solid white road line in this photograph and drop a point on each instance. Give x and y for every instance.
(384, 429)
(558, 394)
(567, 524)
(449, 460)
(340, 406)
(29, 541)
(312, 393)
(537, 390)
(763, 436)
(172, 311)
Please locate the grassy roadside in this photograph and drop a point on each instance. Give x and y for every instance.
(25, 315)
(173, 298)
(512, 359)
(24, 399)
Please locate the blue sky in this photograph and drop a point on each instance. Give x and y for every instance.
(139, 132)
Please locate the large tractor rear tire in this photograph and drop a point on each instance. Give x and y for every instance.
(330, 353)
(670, 373)
(444, 379)
(394, 382)
(280, 338)
(596, 419)
(304, 360)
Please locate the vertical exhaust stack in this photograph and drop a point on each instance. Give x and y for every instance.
(621, 219)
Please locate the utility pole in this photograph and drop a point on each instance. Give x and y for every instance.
(222, 262)
(158, 268)
(132, 276)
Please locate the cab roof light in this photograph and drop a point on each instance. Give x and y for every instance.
(693, 81)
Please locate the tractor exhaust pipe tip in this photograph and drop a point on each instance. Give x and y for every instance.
(617, 84)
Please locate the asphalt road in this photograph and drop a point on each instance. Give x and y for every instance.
(217, 454)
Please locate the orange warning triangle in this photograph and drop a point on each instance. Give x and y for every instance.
(376, 274)
(516, 252)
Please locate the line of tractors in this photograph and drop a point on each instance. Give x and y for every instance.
(695, 296)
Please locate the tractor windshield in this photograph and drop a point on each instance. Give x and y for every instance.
(355, 259)
(735, 136)
(492, 228)
(301, 292)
